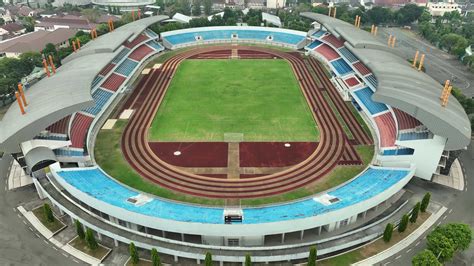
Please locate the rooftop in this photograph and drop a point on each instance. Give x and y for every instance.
(35, 41)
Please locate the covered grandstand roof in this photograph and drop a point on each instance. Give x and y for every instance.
(69, 90)
(108, 43)
(400, 86)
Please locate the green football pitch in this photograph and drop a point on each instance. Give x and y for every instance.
(260, 99)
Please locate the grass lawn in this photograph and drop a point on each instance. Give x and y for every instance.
(52, 226)
(375, 247)
(359, 119)
(259, 98)
(79, 244)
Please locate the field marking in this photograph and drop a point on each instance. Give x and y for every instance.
(397, 257)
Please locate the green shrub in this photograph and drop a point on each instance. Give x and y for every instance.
(403, 224)
(414, 213)
(48, 213)
(208, 259)
(133, 253)
(248, 260)
(425, 202)
(90, 239)
(155, 258)
(387, 234)
(312, 256)
(80, 230)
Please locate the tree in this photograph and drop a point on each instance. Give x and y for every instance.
(196, 8)
(441, 246)
(312, 256)
(387, 233)
(155, 258)
(414, 213)
(425, 258)
(133, 254)
(379, 14)
(460, 234)
(207, 7)
(50, 49)
(90, 240)
(403, 224)
(424, 17)
(91, 14)
(80, 230)
(425, 202)
(248, 260)
(454, 43)
(409, 13)
(31, 59)
(208, 259)
(48, 213)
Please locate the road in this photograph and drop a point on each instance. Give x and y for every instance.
(438, 64)
(459, 210)
(19, 245)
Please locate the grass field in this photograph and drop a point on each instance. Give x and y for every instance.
(259, 98)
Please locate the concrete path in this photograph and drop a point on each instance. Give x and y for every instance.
(455, 179)
(46, 233)
(407, 241)
(17, 177)
(233, 161)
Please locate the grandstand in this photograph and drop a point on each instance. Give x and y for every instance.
(410, 135)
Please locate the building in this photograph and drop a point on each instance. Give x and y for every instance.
(256, 4)
(271, 19)
(10, 30)
(438, 9)
(35, 42)
(273, 4)
(67, 22)
(127, 5)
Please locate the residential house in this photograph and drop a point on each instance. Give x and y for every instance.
(35, 41)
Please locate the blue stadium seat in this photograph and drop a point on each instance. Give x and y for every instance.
(402, 151)
(342, 68)
(372, 80)
(212, 35)
(365, 96)
(120, 55)
(126, 67)
(100, 97)
(370, 183)
(64, 152)
(319, 33)
(414, 136)
(96, 81)
(155, 45)
(348, 55)
(313, 45)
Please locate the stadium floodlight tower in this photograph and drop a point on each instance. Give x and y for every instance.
(123, 5)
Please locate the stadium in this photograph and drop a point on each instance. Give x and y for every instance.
(233, 140)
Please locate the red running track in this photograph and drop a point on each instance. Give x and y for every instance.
(139, 154)
(274, 154)
(193, 154)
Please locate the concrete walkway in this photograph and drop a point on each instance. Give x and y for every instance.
(17, 177)
(407, 241)
(46, 233)
(454, 180)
